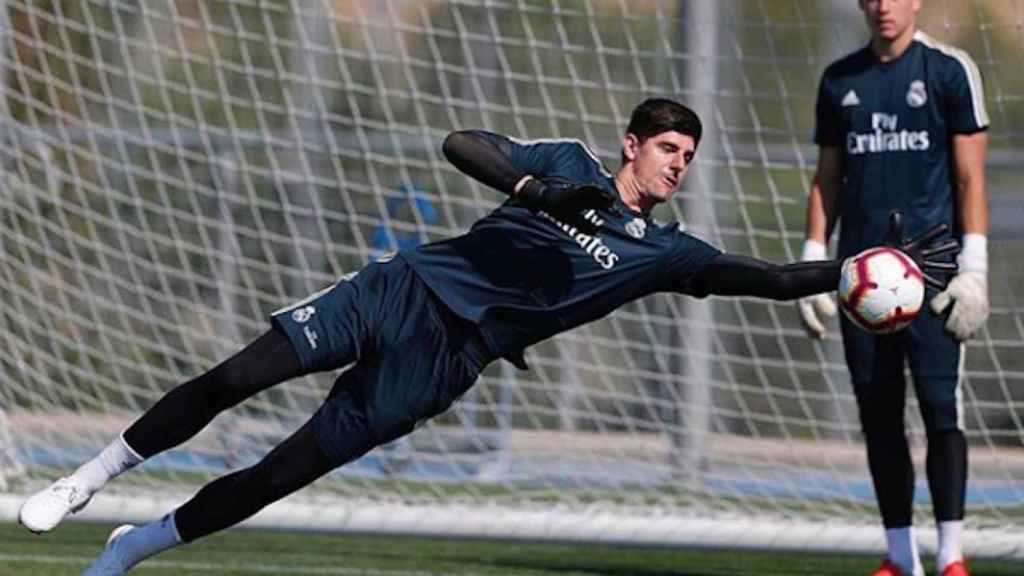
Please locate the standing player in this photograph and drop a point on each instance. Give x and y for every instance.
(901, 126)
(571, 245)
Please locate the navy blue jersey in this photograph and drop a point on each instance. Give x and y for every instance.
(894, 123)
(524, 277)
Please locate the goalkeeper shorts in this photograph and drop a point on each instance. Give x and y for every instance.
(412, 356)
(877, 362)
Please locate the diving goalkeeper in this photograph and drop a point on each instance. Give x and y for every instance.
(571, 244)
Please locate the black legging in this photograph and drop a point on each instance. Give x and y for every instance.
(187, 409)
(228, 500)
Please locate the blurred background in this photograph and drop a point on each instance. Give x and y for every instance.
(172, 171)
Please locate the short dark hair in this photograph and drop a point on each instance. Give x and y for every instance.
(656, 115)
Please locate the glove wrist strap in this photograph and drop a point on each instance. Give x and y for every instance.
(530, 193)
(521, 184)
(813, 250)
(974, 254)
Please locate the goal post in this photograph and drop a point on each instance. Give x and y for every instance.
(173, 171)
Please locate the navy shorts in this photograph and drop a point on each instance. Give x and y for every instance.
(877, 365)
(412, 356)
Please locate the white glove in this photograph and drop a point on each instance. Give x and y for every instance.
(967, 292)
(811, 306)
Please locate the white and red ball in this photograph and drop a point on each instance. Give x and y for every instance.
(881, 290)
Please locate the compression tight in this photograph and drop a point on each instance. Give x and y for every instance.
(893, 473)
(187, 409)
(947, 473)
(228, 500)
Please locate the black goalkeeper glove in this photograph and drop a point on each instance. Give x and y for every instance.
(923, 251)
(565, 201)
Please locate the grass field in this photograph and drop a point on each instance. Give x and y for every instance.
(68, 551)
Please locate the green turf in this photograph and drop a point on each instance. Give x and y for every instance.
(248, 552)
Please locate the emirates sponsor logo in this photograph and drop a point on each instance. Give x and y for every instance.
(591, 244)
(885, 137)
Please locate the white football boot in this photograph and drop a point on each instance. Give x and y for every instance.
(111, 562)
(46, 508)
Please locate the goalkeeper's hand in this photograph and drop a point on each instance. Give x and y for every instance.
(929, 255)
(564, 200)
(818, 304)
(967, 292)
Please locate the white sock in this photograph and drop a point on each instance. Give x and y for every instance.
(145, 541)
(112, 461)
(903, 550)
(949, 543)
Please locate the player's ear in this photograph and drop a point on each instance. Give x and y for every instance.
(630, 145)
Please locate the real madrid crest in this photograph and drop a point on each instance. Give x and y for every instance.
(636, 228)
(917, 95)
(302, 315)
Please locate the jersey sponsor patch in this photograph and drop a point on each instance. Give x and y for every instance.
(885, 137)
(591, 244)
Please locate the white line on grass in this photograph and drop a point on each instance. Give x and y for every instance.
(219, 568)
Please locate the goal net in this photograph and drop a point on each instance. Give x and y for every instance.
(173, 171)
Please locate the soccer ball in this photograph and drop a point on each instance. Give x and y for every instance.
(881, 290)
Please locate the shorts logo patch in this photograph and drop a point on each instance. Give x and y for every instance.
(311, 336)
(302, 315)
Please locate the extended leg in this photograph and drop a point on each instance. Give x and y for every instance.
(228, 500)
(175, 418)
(224, 502)
(187, 409)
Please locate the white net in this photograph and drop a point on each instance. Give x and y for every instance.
(172, 171)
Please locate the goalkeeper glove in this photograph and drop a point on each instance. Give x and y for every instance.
(923, 249)
(967, 291)
(565, 201)
(811, 306)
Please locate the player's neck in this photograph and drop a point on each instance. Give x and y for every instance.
(630, 191)
(889, 50)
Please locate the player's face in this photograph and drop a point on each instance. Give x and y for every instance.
(660, 162)
(890, 19)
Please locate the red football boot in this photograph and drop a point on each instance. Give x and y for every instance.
(889, 569)
(958, 568)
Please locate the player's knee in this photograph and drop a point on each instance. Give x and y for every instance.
(267, 483)
(939, 420)
(224, 387)
(881, 418)
(391, 426)
(939, 410)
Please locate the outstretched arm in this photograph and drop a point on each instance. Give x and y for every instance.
(481, 156)
(734, 275)
(487, 158)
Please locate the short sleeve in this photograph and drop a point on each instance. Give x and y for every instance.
(826, 123)
(965, 96)
(566, 158)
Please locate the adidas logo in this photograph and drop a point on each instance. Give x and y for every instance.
(850, 99)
